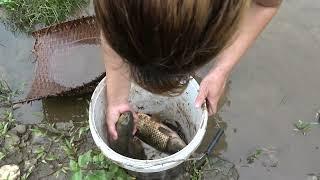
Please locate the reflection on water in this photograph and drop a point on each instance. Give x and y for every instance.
(54, 109)
(60, 109)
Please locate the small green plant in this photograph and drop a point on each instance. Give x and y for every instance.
(93, 165)
(26, 14)
(195, 171)
(6, 122)
(303, 127)
(252, 157)
(2, 155)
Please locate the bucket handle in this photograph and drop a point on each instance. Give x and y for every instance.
(212, 144)
(214, 141)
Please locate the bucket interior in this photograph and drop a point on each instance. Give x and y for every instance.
(179, 112)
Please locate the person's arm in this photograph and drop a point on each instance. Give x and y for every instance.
(255, 20)
(117, 87)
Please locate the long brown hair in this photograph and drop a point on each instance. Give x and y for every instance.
(165, 41)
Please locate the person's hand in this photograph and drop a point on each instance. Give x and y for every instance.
(112, 115)
(211, 89)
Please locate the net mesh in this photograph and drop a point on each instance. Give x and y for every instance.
(68, 59)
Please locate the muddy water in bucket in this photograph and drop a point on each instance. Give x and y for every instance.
(190, 121)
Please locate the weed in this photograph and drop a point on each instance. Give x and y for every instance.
(93, 165)
(303, 127)
(252, 157)
(6, 122)
(27, 173)
(195, 171)
(26, 14)
(2, 155)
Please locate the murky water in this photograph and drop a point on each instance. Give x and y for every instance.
(17, 67)
(83, 56)
(275, 85)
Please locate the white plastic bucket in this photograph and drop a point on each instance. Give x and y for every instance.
(180, 108)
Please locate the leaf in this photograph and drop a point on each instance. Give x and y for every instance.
(258, 152)
(38, 132)
(77, 175)
(73, 165)
(101, 157)
(64, 170)
(51, 157)
(91, 177)
(85, 159)
(68, 144)
(67, 150)
(39, 150)
(71, 141)
(2, 155)
(114, 168)
(83, 130)
(95, 159)
(121, 174)
(102, 174)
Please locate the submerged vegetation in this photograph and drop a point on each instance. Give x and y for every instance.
(25, 15)
(304, 127)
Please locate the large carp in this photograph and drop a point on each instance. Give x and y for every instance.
(161, 137)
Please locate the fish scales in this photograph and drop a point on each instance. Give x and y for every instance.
(148, 132)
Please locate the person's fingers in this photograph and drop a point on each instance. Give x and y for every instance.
(112, 119)
(112, 130)
(212, 107)
(201, 97)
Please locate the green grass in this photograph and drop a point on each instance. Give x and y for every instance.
(24, 15)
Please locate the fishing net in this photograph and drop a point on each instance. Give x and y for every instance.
(68, 59)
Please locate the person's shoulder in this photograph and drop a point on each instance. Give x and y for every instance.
(268, 3)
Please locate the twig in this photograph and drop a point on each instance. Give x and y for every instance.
(2, 105)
